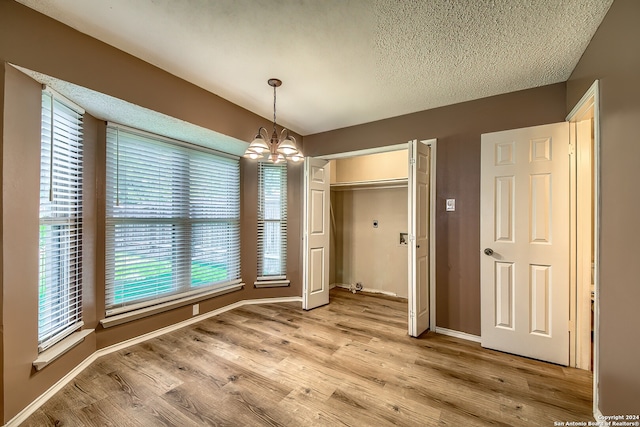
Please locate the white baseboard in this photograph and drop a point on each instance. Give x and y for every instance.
(597, 415)
(457, 334)
(376, 291)
(369, 290)
(44, 397)
(192, 320)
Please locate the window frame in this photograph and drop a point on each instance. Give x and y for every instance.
(60, 206)
(263, 277)
(184, 225)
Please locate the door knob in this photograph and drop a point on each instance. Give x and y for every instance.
(488, 251)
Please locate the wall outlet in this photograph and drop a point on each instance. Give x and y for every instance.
(196, 309)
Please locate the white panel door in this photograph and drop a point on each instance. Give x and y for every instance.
(419, 195)
(316, 255)
(524, 237)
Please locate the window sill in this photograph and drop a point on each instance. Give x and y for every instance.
(170, 305)
(51, 354)
(271, 283)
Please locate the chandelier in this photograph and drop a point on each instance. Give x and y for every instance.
(277, 148)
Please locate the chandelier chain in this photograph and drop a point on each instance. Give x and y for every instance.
(274, 109)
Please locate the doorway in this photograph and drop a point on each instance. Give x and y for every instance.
(585, 249)
(400, 238)
(521, 313)
(369, 231)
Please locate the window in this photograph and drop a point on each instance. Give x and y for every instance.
(272, 221)
(172, 220)
(60, 246)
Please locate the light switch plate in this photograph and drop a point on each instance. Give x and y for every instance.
(451, 205)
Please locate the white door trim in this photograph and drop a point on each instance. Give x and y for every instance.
(366, 151)
(592, 97)
(432, 234)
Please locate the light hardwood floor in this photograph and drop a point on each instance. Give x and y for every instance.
(348, 363)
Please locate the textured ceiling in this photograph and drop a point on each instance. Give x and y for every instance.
(345, 62)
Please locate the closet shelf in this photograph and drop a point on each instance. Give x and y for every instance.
(382, 183)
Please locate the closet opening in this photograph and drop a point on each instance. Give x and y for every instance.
(377, 207)
(369, 232)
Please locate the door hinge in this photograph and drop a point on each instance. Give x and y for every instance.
(412, 314)
(412, 161)
(571, 149)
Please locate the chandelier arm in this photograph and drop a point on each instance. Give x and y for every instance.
(266, 133)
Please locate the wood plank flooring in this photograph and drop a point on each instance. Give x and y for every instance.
(349, 363)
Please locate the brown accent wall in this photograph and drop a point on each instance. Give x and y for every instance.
(36, 42)
(457, 128)
(613, 57)
(249, 170)
(20, 218)
(90, 128)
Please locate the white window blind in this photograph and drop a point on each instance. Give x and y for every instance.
(272, 221)
(60, 246)
(172, 220)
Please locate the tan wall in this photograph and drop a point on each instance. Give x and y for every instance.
(613, 57)
(457, 129)
(34, 41)
(372, 167)
(370, 255)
